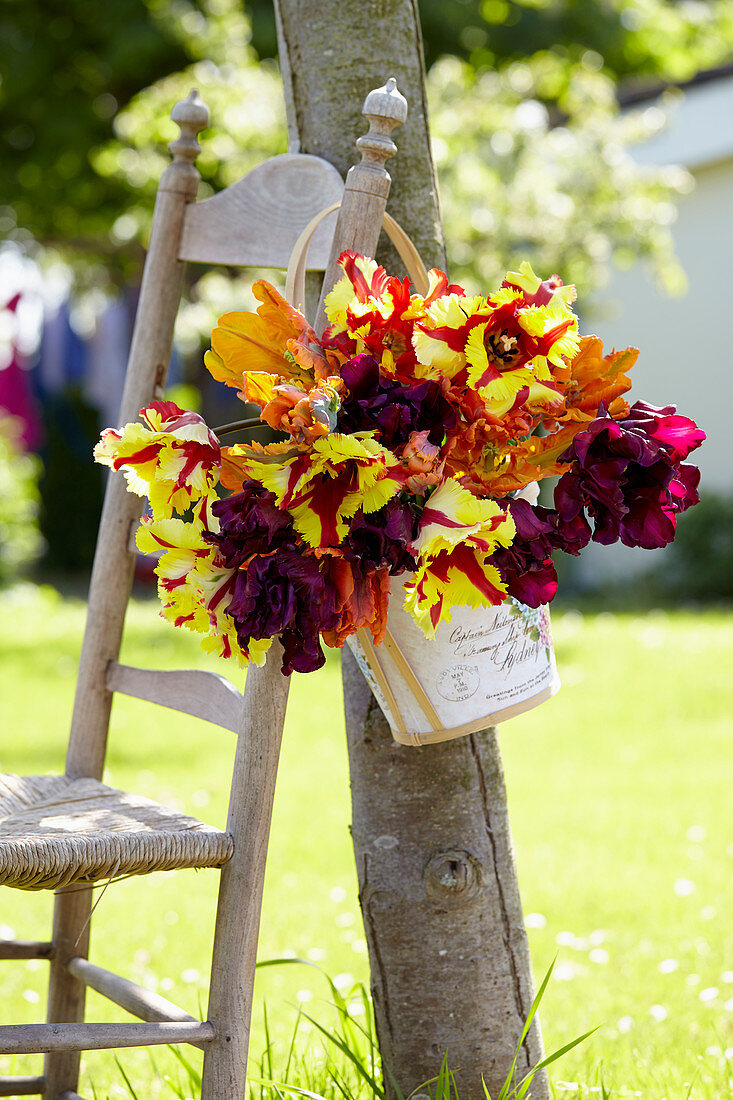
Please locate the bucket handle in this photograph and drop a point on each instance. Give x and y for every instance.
(295, 278)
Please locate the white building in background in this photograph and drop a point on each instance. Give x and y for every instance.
(686, 343)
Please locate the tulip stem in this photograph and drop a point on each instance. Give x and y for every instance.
(238, 425)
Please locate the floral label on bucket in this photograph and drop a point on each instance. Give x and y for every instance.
(484, 667)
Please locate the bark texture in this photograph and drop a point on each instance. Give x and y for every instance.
(448, 951)
(450, 968)
(332, 54)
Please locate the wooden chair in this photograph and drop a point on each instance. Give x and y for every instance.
(65, 833)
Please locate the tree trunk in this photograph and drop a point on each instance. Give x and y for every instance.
(437, 881)
(331, 55)
(438, 889)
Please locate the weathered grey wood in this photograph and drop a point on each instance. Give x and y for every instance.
(21, 1086)
(149, 356)
(256, 221)
(66, 996)
(113, 562)
(132, 535)
(37, 1038)
(25, 949)
(69, 1095)
(240, 891)
(201, 694)
(367, 185)
(134, 998)
(447, 945)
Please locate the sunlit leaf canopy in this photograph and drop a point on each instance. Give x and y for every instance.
(20, 541)
(569, 194)
(640, 39)
(531, 153)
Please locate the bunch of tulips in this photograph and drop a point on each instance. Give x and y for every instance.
(411, 433)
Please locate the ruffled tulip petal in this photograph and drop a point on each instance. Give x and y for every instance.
(453, 515)
(462, 577)
(457, 536)
(627, 475)
(172, 457)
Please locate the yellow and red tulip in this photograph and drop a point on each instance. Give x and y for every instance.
(408, 429)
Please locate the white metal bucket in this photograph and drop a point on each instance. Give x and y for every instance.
(484, 667)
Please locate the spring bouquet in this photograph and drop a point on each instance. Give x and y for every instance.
(410, 433)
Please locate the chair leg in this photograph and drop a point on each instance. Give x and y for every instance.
(66, 995)
(224, 1071)
(242, 879)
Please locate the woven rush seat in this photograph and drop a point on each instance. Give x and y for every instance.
(56, 831)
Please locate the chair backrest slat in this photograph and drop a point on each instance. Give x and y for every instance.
(201, 694)
(281, 194)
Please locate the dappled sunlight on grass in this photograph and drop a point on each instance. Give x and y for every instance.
(620, 804)
(629, 791)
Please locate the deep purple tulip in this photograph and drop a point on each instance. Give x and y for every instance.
(382, 537)
(395, 410)
(628, 475)
(250, 523)
(281, 588)
(285, 594)
(526, 567)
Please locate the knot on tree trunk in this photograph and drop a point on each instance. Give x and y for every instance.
(453, 876)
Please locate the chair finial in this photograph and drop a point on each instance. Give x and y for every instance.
(385, 108)
(191, 115)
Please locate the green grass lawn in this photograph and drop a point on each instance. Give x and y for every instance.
(621, 801)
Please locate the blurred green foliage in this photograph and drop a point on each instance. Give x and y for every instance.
(531, 150)
(71, 484)
(20, 540)
(71, 74)
(67, 66)
(568, 197)
(700, 561)
(631, 38)
(246, 106)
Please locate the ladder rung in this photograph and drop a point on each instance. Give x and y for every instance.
(45, 1038)
(25, 949)
(21, 1086)
(134, 998)
(202, 694)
